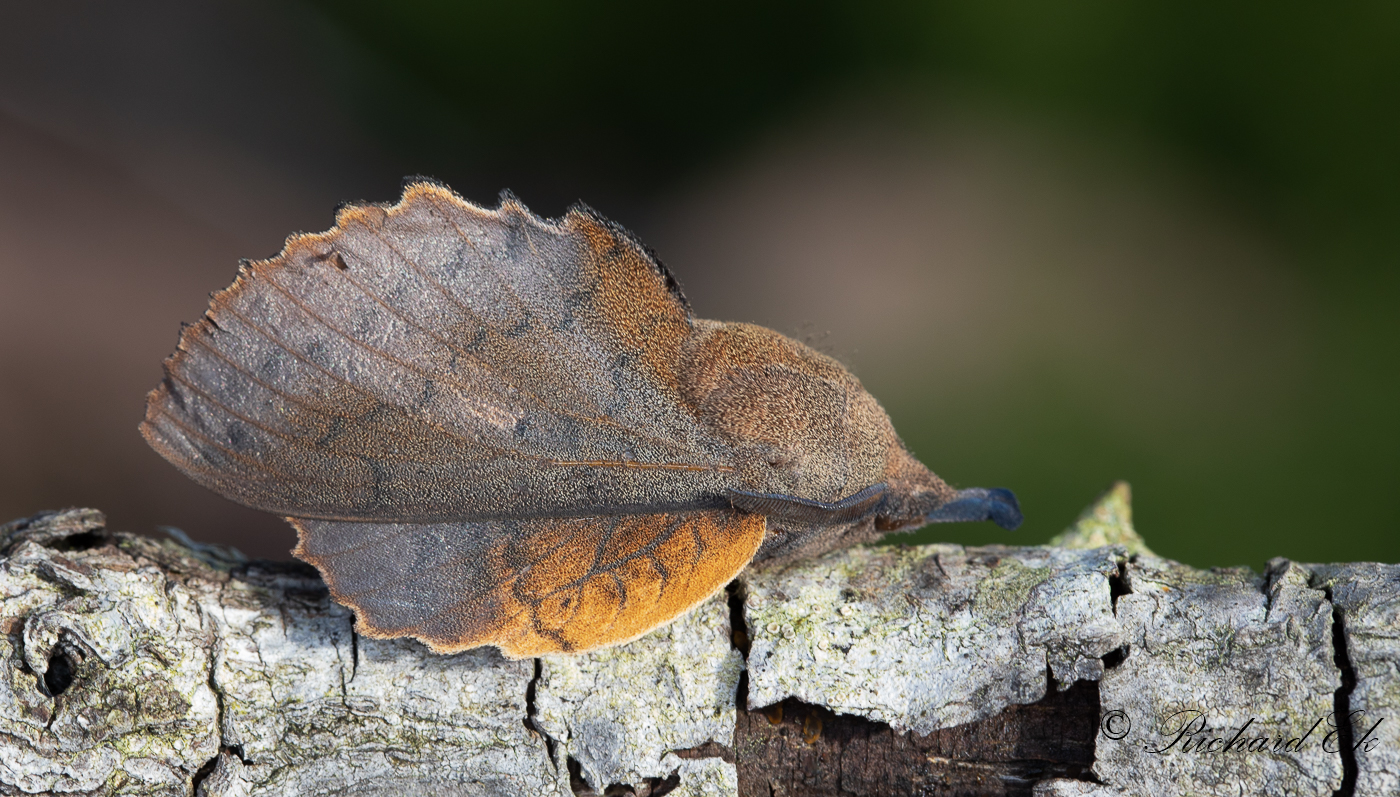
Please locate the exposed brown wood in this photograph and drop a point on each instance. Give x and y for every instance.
(794, 748)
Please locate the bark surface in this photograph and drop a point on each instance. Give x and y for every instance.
(130, 665)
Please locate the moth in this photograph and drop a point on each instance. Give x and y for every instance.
(489, 428)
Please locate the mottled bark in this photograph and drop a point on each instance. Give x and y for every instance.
(133, 665)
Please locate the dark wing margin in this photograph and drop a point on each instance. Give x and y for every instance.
(434, 361)
(528, 587)
(804, 510)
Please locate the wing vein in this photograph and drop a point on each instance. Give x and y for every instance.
(621, 601)
(230, 452)
(341, 380)
(645, 550)
(602, 545)
(519, 302)
(240, 416)
(468, 313)
(303, 403)
(372, 349)
(486, 366)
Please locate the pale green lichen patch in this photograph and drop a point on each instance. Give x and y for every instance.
(1006, 590)
(929, 637)
(1107, 521)
(620, 711)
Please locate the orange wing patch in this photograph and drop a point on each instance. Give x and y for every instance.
(529, 587)
(637, 297)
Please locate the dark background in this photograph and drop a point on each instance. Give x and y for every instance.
(1063, 243)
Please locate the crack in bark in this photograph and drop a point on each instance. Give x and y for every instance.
(218, 697)
(739, 639)
(651, 787)
(735, 595)
(531, 713)
(205, 770)
(208, 767)
(1118, 585)
(1115, 658)
(354, 665)
(1342, 701)
(354, 650)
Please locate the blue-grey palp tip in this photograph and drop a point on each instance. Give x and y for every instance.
(980, 503)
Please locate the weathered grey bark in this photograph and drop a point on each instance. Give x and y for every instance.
(132, 665)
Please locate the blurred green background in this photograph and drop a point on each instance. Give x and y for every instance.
(1063, 243)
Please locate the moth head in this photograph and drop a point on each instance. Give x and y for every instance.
(916, 497)
(801, 424)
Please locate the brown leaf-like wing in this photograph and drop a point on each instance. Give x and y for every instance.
(529, 587)
(436, 361)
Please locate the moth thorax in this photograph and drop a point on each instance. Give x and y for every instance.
(801, 424)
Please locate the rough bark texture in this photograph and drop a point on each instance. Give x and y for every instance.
(1092, 667)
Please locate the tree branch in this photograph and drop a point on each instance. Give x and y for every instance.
(133, 665)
